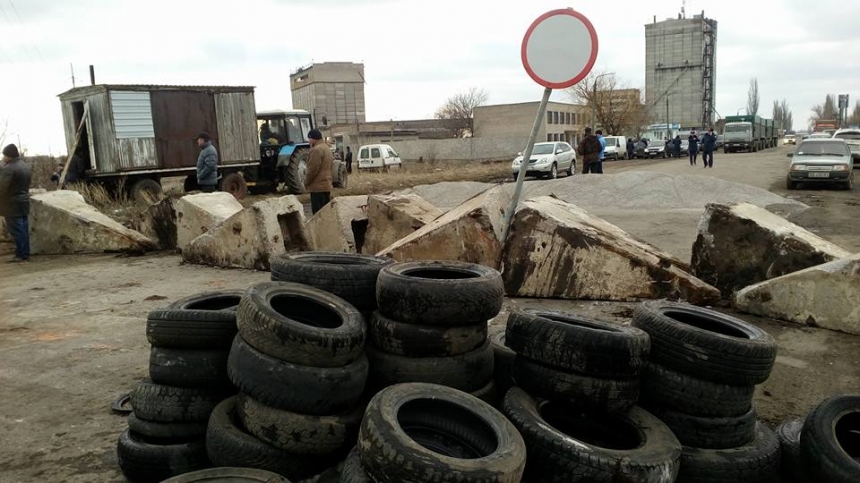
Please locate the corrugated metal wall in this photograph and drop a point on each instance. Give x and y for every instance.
(132, 114)
(237, 127)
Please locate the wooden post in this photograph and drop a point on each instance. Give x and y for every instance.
(75, 146)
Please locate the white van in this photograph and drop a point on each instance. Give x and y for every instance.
(378, 156)
(616, 147)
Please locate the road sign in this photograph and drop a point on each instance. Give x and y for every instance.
(559, 48)
(843, 101)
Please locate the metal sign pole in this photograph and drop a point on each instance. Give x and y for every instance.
(524, 166)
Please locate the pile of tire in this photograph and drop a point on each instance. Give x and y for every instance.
(577, 384)
(299, 364)
(700, 381)
(431, 326)
(824, 446)
(190, 342)
(418, 432)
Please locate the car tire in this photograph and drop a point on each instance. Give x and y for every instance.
(789, 184)
(145, 460)
(553, 173)
(166, 431)
(410, 431)
(234, 184)
(232, 475)
(188, 368)
(578, 344)
(350, 276)
(706, 344)
(571, 170)
(488, 393)
(168, 404)
(467, 372)
(663, 387)
(202, 321)
(607, 448)
(353, 472)
(293, 387)
(301, 324)
(516, 176)
(439, 293)
(756, 462)
(829, 440)
(791, 463)
(709, 432)
(415, 340)
(503, 360)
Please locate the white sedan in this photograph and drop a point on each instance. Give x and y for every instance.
(547, 160)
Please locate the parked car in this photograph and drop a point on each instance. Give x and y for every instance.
(852, 138)
(378, 156)
(789, 139)
(821, 160)
(547, 160)
(657, 149)
(616, 147)
(640, 150)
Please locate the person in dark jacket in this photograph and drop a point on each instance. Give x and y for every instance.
(318, 175)
(694, 147)
(589, 148)
(207, 164)
(348, 160)
(676, 146)
(15, 201)
(709, 145)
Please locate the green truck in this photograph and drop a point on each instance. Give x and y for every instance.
(750, 133)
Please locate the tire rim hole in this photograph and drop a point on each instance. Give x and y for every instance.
(604, 431)
(706, 323)
(215, 303)
(306, 311)
(847, 432)
(447, 429)
(440, 274)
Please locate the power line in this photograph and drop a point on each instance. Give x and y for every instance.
(34, 46)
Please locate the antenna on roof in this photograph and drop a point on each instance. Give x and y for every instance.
(684, 9)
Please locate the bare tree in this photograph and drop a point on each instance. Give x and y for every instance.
(753, 98)
(617, 108)
(827, 110)
(782, 114)
(459, 109)
(854, 120)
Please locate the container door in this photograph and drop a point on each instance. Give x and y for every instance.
(178, 117)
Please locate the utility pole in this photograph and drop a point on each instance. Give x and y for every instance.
(668, 124)
(72, 67)
(392, 130)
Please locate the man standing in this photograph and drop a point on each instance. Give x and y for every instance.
(207, 164)
(15, 201)
(589, 149)
(318, 177)
(348, 160)
(693, 147)
(631, 149)
(599, 169)
(676, 145)
(709, 145)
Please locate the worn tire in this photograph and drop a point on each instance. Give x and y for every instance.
(234, 184)
(188, 368)
(503, 360)
(578, 344)
(434, 434)
(350, 276)
(830, 440)
(467, 372)
(295, 172)
(439, 293)
(791, 463)
(353, 472)
(228, 444)
(488, 394)
(298, 433)
(166, 431)
(168, 404)
(706, 344)
(757, 462)
(229, 475)
(709, 432)
(584, 392)
(662, 387)
(602, 449)
(202, 321)
(292, 387)
(143, 460)
(414, 340)
(301, 324)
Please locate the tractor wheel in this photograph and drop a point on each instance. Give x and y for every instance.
(146, 190)
(296, 171)
(340, 178)
(234, 184)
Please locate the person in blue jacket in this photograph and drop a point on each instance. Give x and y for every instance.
(694, 147)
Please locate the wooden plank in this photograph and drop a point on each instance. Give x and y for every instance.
(75, 146)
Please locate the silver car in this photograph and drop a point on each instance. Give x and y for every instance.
(821, 160)
(548, 159)
(852, 138)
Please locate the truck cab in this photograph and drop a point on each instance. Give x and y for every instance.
(738, 136)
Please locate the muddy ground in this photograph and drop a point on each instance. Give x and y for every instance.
(72, 334)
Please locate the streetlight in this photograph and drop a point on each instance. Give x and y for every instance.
(594, 98)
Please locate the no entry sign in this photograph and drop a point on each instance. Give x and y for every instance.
(559, 49)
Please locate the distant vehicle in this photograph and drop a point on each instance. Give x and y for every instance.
(852, 138)
(826, 125)
(789, 139)
(749, 133)
(821, 160)
(639, 150)
(685, 147)
(378, 156)
(616, 147)
(720, 141)
(801, 137)
(656, 149)
(820, 135)
(547, 160)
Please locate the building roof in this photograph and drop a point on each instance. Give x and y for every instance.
(282, 112)
(151, 87)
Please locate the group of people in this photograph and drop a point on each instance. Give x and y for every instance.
(707, 144)
(592, 148)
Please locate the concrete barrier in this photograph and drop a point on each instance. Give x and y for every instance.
(197, 214)
(340, 226)
(391, 218)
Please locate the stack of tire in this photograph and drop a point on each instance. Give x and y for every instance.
(577, 384)
(824, 446)
(700, 381)
(300, 367)
(431, 326)
(190, 341)
(418, 432)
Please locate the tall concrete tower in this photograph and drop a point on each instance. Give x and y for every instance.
(680, 70)
(333, 92)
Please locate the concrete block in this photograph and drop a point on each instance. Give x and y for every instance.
(197, 214)
(340, 226)
(557, 250)
(252, 237)
(826, 296)
(391, 218)
(742, 244)
(471, 232)
(61, 222)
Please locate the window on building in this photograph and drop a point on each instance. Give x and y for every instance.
(555, 118)
(549, 138)
(567, 118)
(549, 117)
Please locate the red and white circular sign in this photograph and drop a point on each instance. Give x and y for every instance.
(559, 48)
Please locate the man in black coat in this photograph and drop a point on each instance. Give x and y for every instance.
(709, 145)
(348, 160)
(15, 201)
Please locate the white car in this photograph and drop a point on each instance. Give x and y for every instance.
(547, 160)
(616, 147)
(821, 160)
(852, 138)
(820, 135)
(378, 156)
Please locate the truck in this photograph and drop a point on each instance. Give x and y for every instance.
(749, 133)
(135, 136)
(828, 126)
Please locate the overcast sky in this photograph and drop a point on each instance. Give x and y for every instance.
(416, 53)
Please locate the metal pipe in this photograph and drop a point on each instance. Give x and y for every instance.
(92, 75)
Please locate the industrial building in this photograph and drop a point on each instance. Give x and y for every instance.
(333, 92)
(563, 121)
(680, 70)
